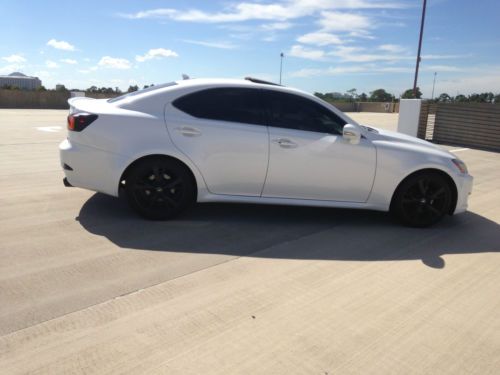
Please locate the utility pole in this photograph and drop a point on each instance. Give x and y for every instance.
(433, 85)
(419, 49)
(281, 64)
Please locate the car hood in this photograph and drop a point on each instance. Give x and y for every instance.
(406, 141)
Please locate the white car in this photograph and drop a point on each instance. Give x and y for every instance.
(252, 141)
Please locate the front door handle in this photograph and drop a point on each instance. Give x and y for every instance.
(285, 143)
(188, 131)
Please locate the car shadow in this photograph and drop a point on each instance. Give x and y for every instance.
(289, 232)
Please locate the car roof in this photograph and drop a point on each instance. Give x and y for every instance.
(144, 96)
(201, 83)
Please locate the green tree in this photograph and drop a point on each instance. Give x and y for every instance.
(444, 98)
(352, 94)
(380, 95)
(461, 98)
(408, 94)
(133, 88)
(363, 97)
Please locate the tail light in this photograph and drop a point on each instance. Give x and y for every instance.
(79, 121)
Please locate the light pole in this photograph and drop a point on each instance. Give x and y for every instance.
(433, 85)
(419, 49)
(281, 64)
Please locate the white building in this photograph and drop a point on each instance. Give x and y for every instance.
(20, 80)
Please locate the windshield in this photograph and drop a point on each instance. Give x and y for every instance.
(133, 93)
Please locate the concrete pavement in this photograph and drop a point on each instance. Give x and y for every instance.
(88, 287)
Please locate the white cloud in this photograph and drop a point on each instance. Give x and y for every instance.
(245, 11)
(319, 39)
(473, 81)
(306, 53)
(357, 54)
(221, 45)
(69, 61)
(370, 69)
(14, 59)
(393, 48)
(156, 53)
(276, 26)
(441, 68)
(114, 63)
(7, 69)
(342, 21)
(51, 64)
(305, 73)
(442, 57)
(60, 44)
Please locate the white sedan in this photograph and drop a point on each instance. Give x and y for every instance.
(254, 142)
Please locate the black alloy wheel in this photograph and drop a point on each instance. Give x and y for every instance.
(422, 199)
(159, 188)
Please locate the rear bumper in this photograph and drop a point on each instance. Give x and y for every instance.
(464, 189)
(89, 168)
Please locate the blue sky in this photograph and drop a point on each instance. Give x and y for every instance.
(329, 45)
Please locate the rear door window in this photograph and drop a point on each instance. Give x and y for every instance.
(224, 104)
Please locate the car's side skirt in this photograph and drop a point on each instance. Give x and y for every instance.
(289, 201)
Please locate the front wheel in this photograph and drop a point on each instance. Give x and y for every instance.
(159, 188)
(422, 199)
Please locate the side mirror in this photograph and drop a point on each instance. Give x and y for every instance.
(351, 133)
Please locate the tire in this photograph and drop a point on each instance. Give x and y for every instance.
(422, 199)
(159, 188)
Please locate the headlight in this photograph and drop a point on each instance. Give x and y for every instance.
(460, 165)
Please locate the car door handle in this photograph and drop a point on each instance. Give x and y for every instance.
(188, 131)
(285, 143)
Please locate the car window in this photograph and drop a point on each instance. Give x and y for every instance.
(225, 104)
(296, 112)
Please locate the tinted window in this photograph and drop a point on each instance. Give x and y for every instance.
(295, 112)
(226, 104)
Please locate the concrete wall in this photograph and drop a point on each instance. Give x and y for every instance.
(366, 107)
(345, 107)
(33, 99)
(40, 99)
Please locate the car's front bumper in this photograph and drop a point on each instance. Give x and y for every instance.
(464, 189)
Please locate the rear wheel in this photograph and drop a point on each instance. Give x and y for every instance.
(422, 199)
(159, 188)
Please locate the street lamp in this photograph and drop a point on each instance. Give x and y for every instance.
(419, 49)
(281, 64)
(433, 84)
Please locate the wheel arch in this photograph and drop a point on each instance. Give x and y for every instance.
(446, 176)
(124, 174)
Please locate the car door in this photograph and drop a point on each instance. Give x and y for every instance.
(222, 131)
(308, 158)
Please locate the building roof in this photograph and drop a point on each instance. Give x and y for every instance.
(18, 75)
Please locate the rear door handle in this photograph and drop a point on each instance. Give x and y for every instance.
(285, 143)
(188, 131)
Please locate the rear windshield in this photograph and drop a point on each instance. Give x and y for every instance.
(134, 93)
